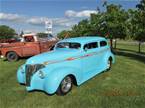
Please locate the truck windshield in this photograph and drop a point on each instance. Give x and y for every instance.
(69, 45)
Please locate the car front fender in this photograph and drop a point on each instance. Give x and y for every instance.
(54, 78)
(21, 74)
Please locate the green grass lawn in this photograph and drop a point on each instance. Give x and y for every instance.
(130, 46)
(122, 87)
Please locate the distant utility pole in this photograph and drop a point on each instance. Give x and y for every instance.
(48, 26)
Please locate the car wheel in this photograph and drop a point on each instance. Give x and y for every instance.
(12, 56)
(109, 64)
(65, 86)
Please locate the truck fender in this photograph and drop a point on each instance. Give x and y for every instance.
(12, 51)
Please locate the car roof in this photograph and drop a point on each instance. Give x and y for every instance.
(83, 39)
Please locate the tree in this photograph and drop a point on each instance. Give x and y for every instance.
(97, 24)
(84, 28)
(115, 22)
(64, 34)
(112, 23)
(6, 32)
(140, 23)
(131, 24)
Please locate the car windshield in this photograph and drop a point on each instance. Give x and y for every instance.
(69, 45)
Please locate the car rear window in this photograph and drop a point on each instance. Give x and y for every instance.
(103, 43)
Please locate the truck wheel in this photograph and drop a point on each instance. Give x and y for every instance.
(12, 56)
(65, 86)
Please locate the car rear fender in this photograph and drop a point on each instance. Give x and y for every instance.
(109, 55)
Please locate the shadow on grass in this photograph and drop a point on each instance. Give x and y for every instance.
(131, 55)
(41, 91)
(21, 58)
(130, 50)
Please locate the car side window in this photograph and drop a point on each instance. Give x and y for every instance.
(70, 45)
(103, 43)
(91, 45)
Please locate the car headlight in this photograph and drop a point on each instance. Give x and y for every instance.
(41, 74)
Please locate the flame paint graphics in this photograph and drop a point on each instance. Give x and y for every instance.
(74, 58)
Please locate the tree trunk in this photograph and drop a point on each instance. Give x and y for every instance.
(111, 43)
(115, 44)
(139, 47)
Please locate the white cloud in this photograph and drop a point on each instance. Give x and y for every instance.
(11, 17)
(70, 13)
(60, 20)
(68, 22)
(37, 20)
(84, 13)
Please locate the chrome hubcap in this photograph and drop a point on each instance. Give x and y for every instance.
(66, 84)
(12, 56)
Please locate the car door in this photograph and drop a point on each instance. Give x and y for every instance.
(90, 60)
(103, 48)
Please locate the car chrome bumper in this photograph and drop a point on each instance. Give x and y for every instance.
(1, 56)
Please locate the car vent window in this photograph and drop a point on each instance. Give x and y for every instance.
(91, 45)
(103, 43)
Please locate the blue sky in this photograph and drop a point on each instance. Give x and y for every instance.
(30, 15)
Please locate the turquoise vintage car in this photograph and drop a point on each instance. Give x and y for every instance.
(73, 61)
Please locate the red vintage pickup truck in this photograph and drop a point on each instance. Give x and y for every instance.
(29, 45)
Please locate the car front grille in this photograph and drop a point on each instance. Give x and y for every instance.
(30, 70)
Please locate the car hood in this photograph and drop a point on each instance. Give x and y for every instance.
(53, 56)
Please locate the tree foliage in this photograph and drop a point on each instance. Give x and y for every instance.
(6, 32)
(115, 19)
(140, 22)
(64, 34)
